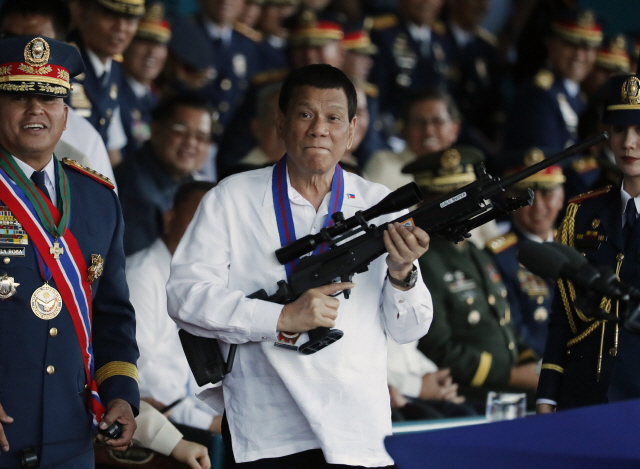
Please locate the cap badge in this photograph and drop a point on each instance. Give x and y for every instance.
(586, 19)
(36, 52)
(533, 156)
(631, 91)
(450, 159)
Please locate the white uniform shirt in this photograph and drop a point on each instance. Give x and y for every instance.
(406, 366)
(163, 371)
(278, 401)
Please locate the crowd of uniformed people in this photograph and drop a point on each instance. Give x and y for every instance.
(167, 106)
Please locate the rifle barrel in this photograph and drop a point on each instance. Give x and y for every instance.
(572, 150)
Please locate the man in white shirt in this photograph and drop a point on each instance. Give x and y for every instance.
(331, 407)
(164, 376)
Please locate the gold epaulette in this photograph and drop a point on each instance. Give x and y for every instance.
(370, 90)
(589, 195)
(544, 79)
(384, 21)
(439, 27)
(247, 31)
(270, 76)
(486, 36)
(584, 164)
(89, 172)
(501, 243)
(117, 58)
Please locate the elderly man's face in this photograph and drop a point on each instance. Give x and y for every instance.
(420, 12)
(429, 127)
(182, 142)
(331, 53)
(570, 60)
(316, 129)
(28, 25)
(538, 218)
(31, 125)
(222, 12)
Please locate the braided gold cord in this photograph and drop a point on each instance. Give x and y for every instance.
(584, 334)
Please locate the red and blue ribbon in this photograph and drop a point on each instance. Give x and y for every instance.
(282, 206)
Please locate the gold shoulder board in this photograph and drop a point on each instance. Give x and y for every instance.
(384, 21)
(270, 76)
(486, 36)
(544, 79)
(371, 90)
(589, 195)
(247, 31)
(501, 243)
(89, 172)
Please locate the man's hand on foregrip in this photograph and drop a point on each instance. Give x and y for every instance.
(315, 308)
(4, 419)
(118, 410)
(404, 246)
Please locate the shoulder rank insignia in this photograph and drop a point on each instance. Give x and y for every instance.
(370, 90)
(589, 195)
(439, 27)
(584, 164)
(384, 21)
(486, 36)
(117, 58)
(270, 76)
(247, 31)
(501, 243)
(544, 79)
(89, 172)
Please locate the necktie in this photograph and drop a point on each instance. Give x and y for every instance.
(630, 220)
(38, 179)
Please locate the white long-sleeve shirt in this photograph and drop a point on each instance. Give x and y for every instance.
(163, 371)
(278, 401)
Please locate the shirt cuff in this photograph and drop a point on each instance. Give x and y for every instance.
(166, 439)
(411, 386)
(264, 322)
(404, 301)
(546, 401)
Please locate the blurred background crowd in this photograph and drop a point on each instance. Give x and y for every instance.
(182, 93)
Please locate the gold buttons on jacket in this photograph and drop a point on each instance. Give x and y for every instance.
(53, 332)
(6, 260)
(51, 370)
(512, 345)
(492, 300)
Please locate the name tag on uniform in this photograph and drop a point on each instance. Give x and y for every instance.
(12, 252)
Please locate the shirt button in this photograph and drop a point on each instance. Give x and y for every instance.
(51, 370)
(53, 332)
(102, 121)
(264, 338)
(315, 226)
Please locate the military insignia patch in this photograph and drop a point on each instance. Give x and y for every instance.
(7, 287)
(37, 52)
(631, 91)
(11, 231)
(96, 269)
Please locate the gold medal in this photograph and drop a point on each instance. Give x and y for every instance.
(46, 302)
(95, 271)
(7, 287)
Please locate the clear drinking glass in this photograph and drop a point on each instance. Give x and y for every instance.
(506, 406)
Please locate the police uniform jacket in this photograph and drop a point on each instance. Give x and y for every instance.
(135, 112)
(543, 114)
(529, 295)
(146, 192)
(92, 97)
(42, 374)
(576, 341)
(403, 65)
(471, 331)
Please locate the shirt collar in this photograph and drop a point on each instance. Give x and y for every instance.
(625, 199)
(216, 31)
(138, 88)
(97, 64)
(572, 87)
(533, 237)
(277, 42)
(461, 36)
(419, 33)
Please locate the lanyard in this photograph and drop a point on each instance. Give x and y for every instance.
(282, 206)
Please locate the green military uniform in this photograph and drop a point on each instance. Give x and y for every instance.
(471, 332)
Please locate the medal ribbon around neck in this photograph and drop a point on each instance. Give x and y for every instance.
(282, 206)
(55, 224)
(68, 272)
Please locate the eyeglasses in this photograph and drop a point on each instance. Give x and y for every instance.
(181, 131)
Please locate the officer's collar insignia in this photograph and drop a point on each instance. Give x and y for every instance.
(595, 223)
(95, 271)
(37, 52)
(631, 91)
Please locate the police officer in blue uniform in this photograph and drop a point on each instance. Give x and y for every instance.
(413, 53)
(105, 29)
(235, 59)
(545, 111)
(67, 329)
(589, 360)
(143, 61)
(529, 295)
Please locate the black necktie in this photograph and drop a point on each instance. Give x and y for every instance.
(630, 220)
(38, 179)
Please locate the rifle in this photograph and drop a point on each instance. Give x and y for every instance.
(451, 217)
